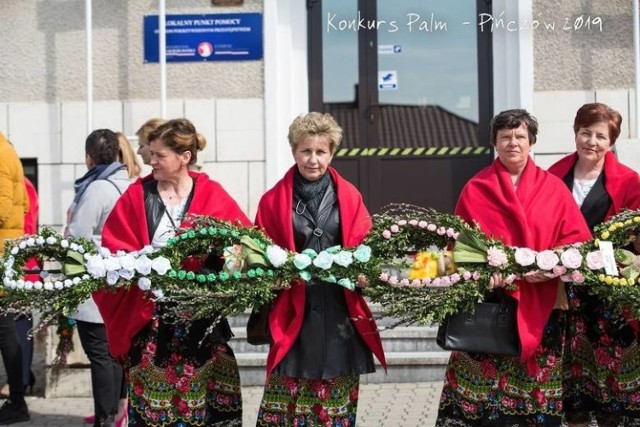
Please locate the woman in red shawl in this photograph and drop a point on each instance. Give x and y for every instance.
(323, 335)
(602, 366)
(173, 380)
(515, 201)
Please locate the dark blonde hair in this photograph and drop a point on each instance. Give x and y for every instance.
(595, 112)
(148, 127)
(180, 136)
(315, 124)
(127, 157)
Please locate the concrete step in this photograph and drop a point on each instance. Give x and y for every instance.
(402, 339)
(401, 368)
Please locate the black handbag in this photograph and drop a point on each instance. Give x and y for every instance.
(491, 329)
(258, 325)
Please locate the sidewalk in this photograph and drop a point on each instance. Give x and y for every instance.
(380, 405)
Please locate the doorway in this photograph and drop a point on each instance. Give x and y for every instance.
(410, 83)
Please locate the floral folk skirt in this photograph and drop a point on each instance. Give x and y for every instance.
(176, 381)
(602, 364)
(300, 402)
(491, 390)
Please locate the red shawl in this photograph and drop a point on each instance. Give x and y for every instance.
(126, 313)
(540, 214)
(275, 216)
(621, 183)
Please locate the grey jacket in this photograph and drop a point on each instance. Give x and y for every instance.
(86, 219)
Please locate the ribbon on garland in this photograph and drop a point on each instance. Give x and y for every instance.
(74, 264)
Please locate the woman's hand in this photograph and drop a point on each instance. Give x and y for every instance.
(362, 281)
(536, 277)
(497, 281)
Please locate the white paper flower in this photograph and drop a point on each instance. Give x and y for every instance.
(20, 284)
(31, 242)
(143, 265)
(28, 285)
(595, 260)
(73, 246)
(68, 283)
(161, 265)
(22, 245)
(324, 260)
(112, 277)
(81, 249)
(126, 274)
(112, 263)
(547, 259)
(64, 243)
(158, 293)
(58, 285)
(76, 280)
(524, 256)
(146, 250)
(571, 258)
(276, 256)
(14, 250)
(104, 252)
(343, 258)
(95, 266)
(8, 263)
(51, 240)
(38, 285)
(40, 240)
(496, 257)
(144, 284)
(48, 286)
(128, 262)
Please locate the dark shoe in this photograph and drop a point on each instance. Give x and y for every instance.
(14, 411)
(103, 422)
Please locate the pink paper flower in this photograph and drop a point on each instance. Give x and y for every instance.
(466, 275)
(441, 231)
(547, 259)
(427, 281)
(455, 278)
(386, 234)
(436, 282)
(415, 283)
(423, 224)
(404, 282)
(402, 222)
(413, 222)
(559, 270)
(524, 256)
(577, 276)
(571, 258)
(496, 257)
(475, 275)
(431, 227)
(394, 228)
(510, 279)
(393, 280)
(450, 232)
(384, 277)
(594, 260)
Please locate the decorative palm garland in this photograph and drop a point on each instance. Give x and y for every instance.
(422, 266)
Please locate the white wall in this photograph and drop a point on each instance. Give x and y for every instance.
(55, 134)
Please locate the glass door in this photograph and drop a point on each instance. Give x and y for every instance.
(410, 84)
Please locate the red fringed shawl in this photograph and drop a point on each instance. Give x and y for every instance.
(540, 214)
(125, 313)
(275, 216)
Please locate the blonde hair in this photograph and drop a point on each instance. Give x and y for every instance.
(315, 124)
(127, 157)
(148, 127)
(180, 136)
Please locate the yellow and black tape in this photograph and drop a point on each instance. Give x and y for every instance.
(413, 151)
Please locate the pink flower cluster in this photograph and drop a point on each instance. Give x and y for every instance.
(438, 282)
(395, 228)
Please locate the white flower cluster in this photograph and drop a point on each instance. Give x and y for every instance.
(49, 282)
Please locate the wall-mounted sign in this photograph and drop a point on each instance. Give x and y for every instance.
(221, 37)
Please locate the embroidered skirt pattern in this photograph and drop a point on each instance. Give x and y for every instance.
(482, 389)
(303, 402)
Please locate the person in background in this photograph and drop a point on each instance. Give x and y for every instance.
(323, 335)
(518, 203)
(602, 363)
(174, 379)
(143, 138)
(127, 157)
(14, 204)
(96, 194)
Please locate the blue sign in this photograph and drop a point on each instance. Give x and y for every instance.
(222, 37)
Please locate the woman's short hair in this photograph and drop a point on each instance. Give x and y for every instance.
(596, 112)
(148, 127)
(511, 119)
(127, 156)
(180, 136)
(102, 146)
(315, 124)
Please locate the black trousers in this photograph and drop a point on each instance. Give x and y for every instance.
(23, 326)
(106, 373)
(11, 355)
